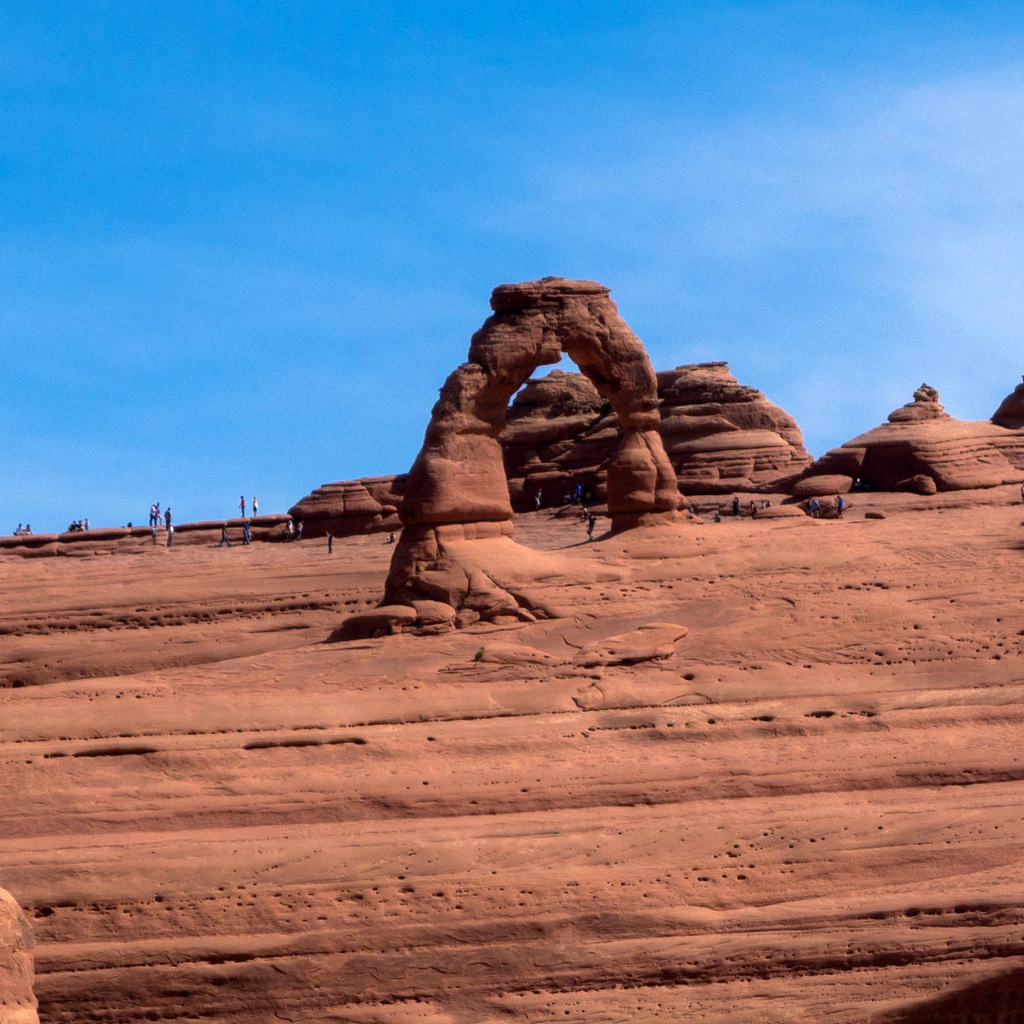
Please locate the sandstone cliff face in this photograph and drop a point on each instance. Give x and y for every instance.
(922, 448)
(17, 1003)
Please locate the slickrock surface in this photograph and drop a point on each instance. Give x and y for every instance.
(796, 796)
(17, 1003)
(923, 449)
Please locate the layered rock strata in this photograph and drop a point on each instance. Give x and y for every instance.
(456, 492)
(350, 507)
(720, 436)
(17, 1003)
(921, 448)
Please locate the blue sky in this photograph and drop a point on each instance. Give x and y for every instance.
(244, 243)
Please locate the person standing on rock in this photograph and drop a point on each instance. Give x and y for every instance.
(167, 517)
(839, 505)
(536, 498)
(170, 534)
(153, 531)
(246, 533)
(591, 520)
(224, 542)
(735, 505)
(298, 530)
(241, 504)
(255, 507)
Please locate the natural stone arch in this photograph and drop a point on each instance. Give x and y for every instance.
(456, 492)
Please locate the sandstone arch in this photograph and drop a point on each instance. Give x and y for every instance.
(456, 492)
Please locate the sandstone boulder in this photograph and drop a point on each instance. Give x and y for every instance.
(351, 507)
(820, 484)
(377, 622)
(17, 1003)
(495, 652)
(1010, 413)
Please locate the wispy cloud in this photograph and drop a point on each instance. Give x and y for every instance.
(855, 250)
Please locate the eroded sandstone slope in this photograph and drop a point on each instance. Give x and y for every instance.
(802, 805)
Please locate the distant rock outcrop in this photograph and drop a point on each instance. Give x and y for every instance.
(720, 436)
(350, 507)
(114, 539)
(921, 448)
(17, 1003)
(1010, 413)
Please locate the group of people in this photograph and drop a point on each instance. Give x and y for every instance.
(156, 518)
(22, 531)
(225, 541)
(292, 529)
(241, 506)
(750, 510)
(77, 526)
(579, 495)
(816, 510)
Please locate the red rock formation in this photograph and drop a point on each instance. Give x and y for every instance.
(922, 449)
(720, 436)
(1010, 413)
(351, 506)
(17, 1003)
(456, 491)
